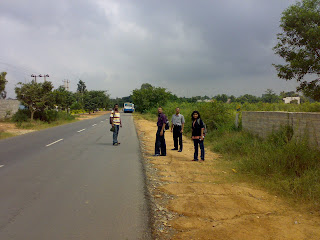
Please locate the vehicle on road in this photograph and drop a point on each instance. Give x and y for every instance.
(128, 107)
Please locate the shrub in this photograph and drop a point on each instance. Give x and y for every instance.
(22, 115)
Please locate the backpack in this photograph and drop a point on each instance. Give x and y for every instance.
(204, 126)
(167, 126)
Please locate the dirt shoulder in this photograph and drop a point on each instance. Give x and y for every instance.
(11, 128)
(197, 200)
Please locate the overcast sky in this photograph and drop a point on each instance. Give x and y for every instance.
(189, 47)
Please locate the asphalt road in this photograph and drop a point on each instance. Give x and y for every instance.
(80, 187)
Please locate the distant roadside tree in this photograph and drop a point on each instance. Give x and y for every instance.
(3, 82)
(221, 97)
(149, 96)
(270, 97)
(248, 98)
(81, 90)
(299, 46)
(95, 99)
(63, 98)
(36, 96)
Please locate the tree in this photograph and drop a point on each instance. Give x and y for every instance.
(63, 98)
(270, 97)
(81, 87)
(299, 46)
(94, 100)
(81, 90)
(248, 98)
(148, 97)
(3, 83)
(284, 94)
(37, 96)
(221, 98)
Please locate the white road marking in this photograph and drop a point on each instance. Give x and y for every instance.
(1, 165)
(54, 142)
(94, 125)
(81, 130)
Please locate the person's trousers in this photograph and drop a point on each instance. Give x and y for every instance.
(197, 142)
(177, 135)
(115, 134)
(160, 145)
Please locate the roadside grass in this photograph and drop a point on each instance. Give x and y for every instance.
(284, 165)
(4, 135)
(39, 125)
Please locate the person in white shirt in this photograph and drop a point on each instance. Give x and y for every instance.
(177, 129)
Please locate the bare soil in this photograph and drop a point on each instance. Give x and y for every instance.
(197, 200)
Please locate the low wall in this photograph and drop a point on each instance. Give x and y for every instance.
(303, 123)
(8, 106)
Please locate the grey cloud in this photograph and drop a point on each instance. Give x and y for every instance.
(223, 45)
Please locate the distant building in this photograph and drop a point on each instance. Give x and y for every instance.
(289, 99)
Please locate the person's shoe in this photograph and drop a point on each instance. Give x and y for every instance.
(195, 160)
(180, 150)
(163, 155)
(115, 144)
(202, 159)
(156, 155)
(174, 149)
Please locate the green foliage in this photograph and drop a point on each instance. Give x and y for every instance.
(3, 83)
(270, 97)
(299, 45)
(148, 97)
(37, 96)
(81, 87)
(22, 115)
(94, 100)
(63, 98)
(76, 106)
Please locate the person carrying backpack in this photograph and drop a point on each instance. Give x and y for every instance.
(115, 121)
(198, 131)
(162, 124)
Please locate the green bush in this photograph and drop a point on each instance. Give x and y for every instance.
(22, 115)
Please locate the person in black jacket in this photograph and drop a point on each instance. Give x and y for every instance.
(197, 135)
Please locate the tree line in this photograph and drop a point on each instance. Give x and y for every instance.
(40, 97)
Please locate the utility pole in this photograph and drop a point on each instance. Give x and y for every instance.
(35, 77)
(66, 84)
(44, 76)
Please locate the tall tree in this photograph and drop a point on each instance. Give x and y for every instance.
(81, 90)
(63, 98)
(95, 99)
(148, 97)
(3, 83)
(81, 87)
(299, 46)
(37, 96)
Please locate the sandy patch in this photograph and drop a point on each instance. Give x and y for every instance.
(193, 200)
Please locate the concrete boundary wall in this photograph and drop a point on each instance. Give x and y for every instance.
(303, 123)
(8, 106)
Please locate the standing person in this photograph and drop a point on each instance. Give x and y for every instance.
(160, 145)
(197, 134)
(177, 126)
(116, 123)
